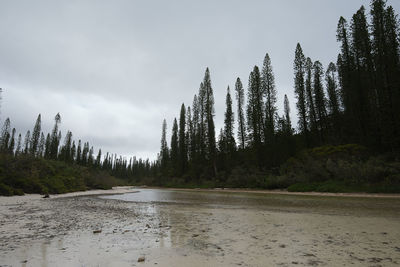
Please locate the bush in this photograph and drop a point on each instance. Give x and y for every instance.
(36, 175)
(6, 190)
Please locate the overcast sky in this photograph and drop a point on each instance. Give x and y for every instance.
(115, 69)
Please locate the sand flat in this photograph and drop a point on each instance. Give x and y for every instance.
(181, 228)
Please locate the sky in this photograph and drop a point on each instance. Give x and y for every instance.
(115, 69)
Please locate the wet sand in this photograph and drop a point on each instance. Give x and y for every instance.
(198, 228)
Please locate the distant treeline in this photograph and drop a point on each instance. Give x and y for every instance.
(355, 100)
(36, 145)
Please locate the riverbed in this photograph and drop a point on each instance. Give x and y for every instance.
(199, 228)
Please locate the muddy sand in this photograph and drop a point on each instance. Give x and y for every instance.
(198, 228)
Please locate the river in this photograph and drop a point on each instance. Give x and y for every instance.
(203, 228)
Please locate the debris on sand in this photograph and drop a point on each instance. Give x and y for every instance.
(46, 196)
(141, 259)
(96, 231)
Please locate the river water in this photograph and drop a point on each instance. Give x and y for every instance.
(203, 228)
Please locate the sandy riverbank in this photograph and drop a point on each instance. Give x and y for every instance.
(59, 232)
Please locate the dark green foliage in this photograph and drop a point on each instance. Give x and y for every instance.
(43, 166)
(240, 117)
(164, 153)
(209, 122)
(319, 98)
(55, 138)
(11, 144)
(287, 128)
(230, 144)
(310, 100)
(355, 101)
(299, 89)
(255, 114)
(27, 142)
(41, 147)
(36, 136)
(333, 94)
(5, 136)
(18, 148)
(36, 175)
(182, 143)
(174, 148)
(269, 91)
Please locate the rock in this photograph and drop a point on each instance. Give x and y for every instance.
(141, 259)
(148, 226)
(195, 235)
(46, 196)
(96, 231)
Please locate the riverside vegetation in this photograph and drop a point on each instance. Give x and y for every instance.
(347, 138)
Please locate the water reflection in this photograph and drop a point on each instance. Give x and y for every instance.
(279, 202)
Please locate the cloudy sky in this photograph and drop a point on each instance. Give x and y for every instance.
(115, 69)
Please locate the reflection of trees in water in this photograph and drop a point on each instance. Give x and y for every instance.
(187, 225)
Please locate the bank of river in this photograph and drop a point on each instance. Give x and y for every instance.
(199, 228)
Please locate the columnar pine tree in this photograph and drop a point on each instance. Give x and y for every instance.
(182, 154)
(333, 100)
(41, 145)
(164, 148)
(345, 66)
(73, 152)
(66, 150)
(79, 153)
(209, 121)
(269, 91)
(228, 125)
(319, 97)
(255, 118)
(98, 159)
(299, 71)
(5, 135)
(201, 99)
(27, 142)
(385, 49)
(47, 147)
(54, 141)
(286, 109)
(189, 133)
(35, 136)
(194, 146)
(174, 148)
(91, 158)
(310, 101)
(85, 152)
(363, 77)
(18, 148)
(11, 145)
(241, 117)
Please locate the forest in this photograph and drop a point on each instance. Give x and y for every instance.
(347, 138)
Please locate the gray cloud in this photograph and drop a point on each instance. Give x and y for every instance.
(115, 69)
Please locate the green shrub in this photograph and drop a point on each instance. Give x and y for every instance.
(37, 175)
(6, 190)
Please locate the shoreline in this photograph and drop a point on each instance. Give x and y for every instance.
(275, 192)
(9, 200)
(133, 189)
